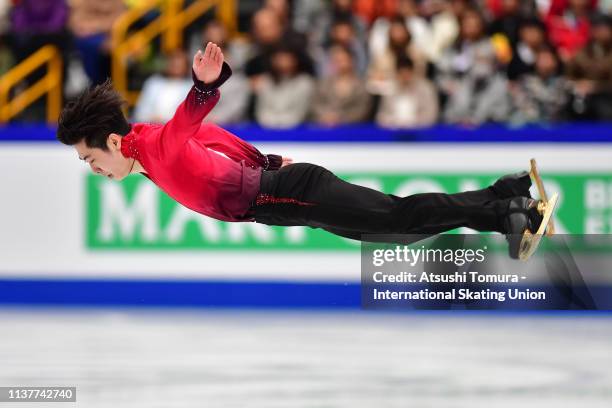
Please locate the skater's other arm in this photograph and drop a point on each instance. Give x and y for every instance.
(209, 72)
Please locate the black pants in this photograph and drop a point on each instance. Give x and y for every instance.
(310, 195)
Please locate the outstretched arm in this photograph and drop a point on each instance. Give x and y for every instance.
(209, 72)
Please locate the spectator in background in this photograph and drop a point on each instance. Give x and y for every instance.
(38, 17)
(282, 9)
(442, 29)
(605, 6)
(4, 12)
(235, 51)
(509, 22)
(411, 102)
(497, 8)
(459, 7)
(315, 19)
(370, 10)
(591, 73)
(341, 98)
(382, 71)
(408, 11)
(543, 95)
(5, 62)
(469, 79)
(568, 23)
(267, 33)
(311, 17)
(342, 32)
(235, 95)
(91, 22)
(532, 37)
(34, 24)
(284, 94)
(162, 94)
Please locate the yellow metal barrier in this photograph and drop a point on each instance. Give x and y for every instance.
(50, 84)
(170, 25)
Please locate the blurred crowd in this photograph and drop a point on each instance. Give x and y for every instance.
(398, 63)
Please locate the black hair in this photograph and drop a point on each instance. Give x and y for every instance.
(343, 20)
(601, 19)
(532, 22)
(398, 19)
(94, 115)
(284, 48)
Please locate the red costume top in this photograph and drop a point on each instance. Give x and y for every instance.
(200, 165)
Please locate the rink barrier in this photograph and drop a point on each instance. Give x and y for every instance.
(566, 133)
(213, 294)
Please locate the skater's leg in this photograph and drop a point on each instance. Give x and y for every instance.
(344, 233)
(439, 212)
(322, 200)
(369, 237)
(513, 185)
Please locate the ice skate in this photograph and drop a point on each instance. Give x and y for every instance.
(513, 185)
(525, 224)
(534, 174)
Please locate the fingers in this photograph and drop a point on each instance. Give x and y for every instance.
(209, 49)
(216, 54)
(220, 56)
(213, 52)
(197, 58)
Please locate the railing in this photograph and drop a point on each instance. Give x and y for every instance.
(50, 84)
(169, 24)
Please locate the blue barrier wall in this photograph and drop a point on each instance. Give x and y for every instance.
(566, 133)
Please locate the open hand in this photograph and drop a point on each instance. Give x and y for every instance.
(207, 65)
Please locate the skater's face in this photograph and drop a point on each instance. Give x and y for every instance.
(108, 163)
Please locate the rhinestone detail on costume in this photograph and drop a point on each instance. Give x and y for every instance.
(263, 199)
(132, 151)
(202, 95)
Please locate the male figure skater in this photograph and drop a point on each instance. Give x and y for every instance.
(215, 173)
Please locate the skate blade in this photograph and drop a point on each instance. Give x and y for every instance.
(535, 176)
(530, 242)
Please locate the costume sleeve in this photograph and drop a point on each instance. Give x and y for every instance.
(273, 162)
(188, 117)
